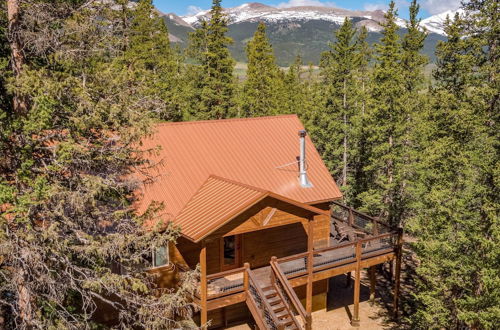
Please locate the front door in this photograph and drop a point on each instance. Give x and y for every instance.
(230, 252)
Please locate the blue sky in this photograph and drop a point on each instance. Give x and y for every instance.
(428, 7)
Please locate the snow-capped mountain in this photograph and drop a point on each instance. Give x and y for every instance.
(435, 23)
(255, 12)
(306, 31)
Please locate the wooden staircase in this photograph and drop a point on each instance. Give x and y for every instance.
(274, 305)
(279, 309)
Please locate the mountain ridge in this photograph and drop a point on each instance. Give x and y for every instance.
(301, 30)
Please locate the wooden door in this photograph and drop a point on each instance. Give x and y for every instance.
(230, 252)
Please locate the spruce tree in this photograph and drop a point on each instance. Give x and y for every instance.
(457, 219)
(294, 89)
(261, 87)
(214, 86)
(360, 148)
(66, 184)
(386, 125)
(150, 54)
(334, 128)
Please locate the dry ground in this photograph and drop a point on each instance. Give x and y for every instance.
(338, 314)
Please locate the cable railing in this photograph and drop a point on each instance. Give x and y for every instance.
(338, 255)
(225, 283)
(262, 309)
(359, 220)
(289, 297)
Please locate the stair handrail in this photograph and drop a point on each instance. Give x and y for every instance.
(290, 292)
(250, 280)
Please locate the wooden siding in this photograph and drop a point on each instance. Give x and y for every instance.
(260, 246)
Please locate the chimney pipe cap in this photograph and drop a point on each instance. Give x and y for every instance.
(302, 133)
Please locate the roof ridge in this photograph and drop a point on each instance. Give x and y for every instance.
(214, 121)
(238, 183)
(213, 176)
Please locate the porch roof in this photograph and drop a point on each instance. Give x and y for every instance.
(218, 201)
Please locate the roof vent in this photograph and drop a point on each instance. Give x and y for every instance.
(304, 181)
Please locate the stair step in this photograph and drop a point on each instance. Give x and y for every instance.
(291, 327)
(288, 321)
(270, 294)
(283, 314)
(278, 308)
(274, 300)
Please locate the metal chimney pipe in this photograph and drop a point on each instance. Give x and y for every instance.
(304, 181)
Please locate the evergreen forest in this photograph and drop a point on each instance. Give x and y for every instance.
(82, 82)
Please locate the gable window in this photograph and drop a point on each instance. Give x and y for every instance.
(160, 256)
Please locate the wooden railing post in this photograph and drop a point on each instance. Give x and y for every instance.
(203, 285)
(245, 276)
(310, 256)
(355, 316)
(350, 219)
(399, 255)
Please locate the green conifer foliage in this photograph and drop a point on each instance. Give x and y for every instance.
(261, 88)
(66, 187)
(294, 89)
(334, 130)
(386, 124)
(457, 219)
(359, 153)
(214, 87)
(151, 56)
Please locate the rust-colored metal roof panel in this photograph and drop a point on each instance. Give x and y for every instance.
(259, 152)
(219, 200)
(213, 203)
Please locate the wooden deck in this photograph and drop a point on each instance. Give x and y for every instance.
(224, 288)
(357, 241)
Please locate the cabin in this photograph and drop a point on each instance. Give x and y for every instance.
(261, 215)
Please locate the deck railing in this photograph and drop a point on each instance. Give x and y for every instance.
(359, 220)
(225, 283)
(288, 296)
(339, 255)
(258, 300)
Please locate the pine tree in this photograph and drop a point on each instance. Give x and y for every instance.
(334, 130)
(359, 181)
(294, 89)
(151, 56)
(214, 87)
(261, 88)
(386, 125)
(414, 101)
(457, 219)
(66, 188)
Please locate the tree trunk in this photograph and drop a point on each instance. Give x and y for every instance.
(24, 296)
(17, 58)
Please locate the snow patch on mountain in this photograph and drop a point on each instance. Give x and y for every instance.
(256, 12)
(436, 23)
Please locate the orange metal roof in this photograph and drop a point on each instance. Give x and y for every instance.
(219, 200)
(258, 152)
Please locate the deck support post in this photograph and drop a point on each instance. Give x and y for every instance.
(203, 285)
(397, 282)
(355, 315)
(348, 279)
(373, 281)
(310, 256)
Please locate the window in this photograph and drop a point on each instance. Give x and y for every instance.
(160, 256)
